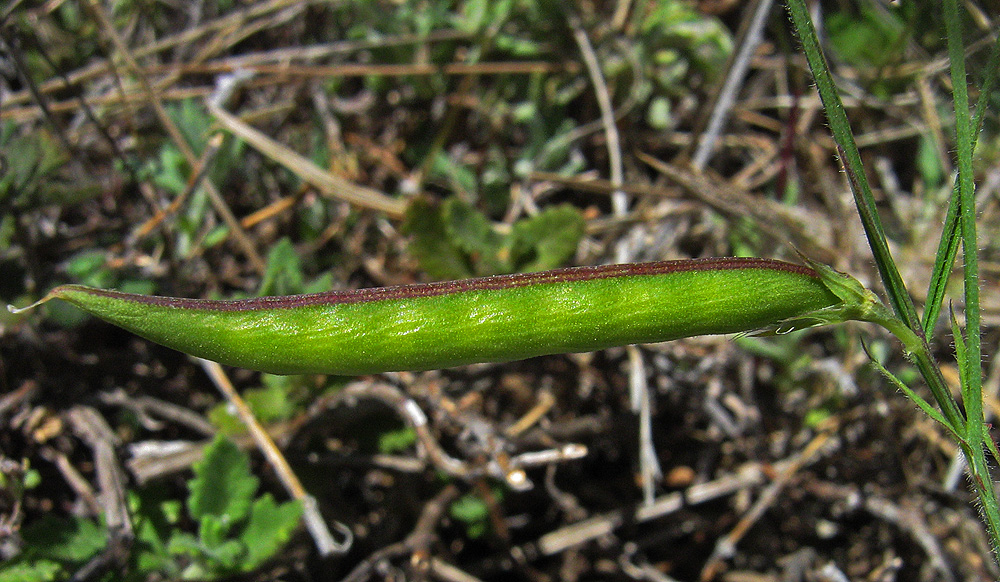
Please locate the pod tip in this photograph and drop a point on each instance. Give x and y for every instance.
(15, 310)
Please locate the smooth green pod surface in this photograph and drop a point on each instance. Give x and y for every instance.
(490, 319)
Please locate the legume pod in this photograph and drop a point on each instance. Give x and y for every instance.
(490, 319)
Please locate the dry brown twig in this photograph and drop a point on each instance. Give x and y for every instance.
(326, 182)
(494, 460)
(592, 528)
(725, 546)
(417, 544)
(91, 427)
(154, 99)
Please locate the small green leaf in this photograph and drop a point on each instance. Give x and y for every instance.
(150, 553)
(268, 529)
(169, 174)
(456, 233)
(548, 239)
(394, 441)
(151, 521)
(31, 571)
(284, 270)
(473, 15)
(274, 401)
(816, 416)
(473, 234)
(929, 163)
(88, 268)
(495, 179)
(32, 479)
(212, 530)
(222, 483)
(659, 114)
(66, 540)
(226, 556)
(31, 173)
(184, 544)
(285, 274)
(270, 403)
(438, 255)
(871, 38)
(469, 508)
(215, 236)
(460, 177)
(472, 510)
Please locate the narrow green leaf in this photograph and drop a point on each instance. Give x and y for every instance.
(948, 247)
(916, 398)
(944, 260)
(972, 393)
(967, 215)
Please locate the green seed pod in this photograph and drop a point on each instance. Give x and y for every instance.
(490, 319)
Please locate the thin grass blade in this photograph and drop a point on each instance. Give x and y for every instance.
(917, 399)
(950, 236)
(967, 219)
(973, 390)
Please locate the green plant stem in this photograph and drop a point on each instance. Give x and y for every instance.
(919, 353)
(859, 303)
(973, 377)
(847, 150)
(906, 325)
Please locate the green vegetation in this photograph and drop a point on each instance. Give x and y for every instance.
(235, 529)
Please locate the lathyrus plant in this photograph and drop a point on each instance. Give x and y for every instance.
(508, 317)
